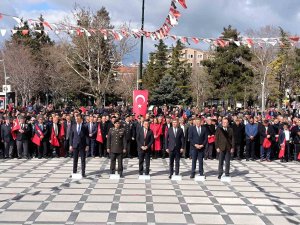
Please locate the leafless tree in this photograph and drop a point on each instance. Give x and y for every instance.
(264, 52)
(22, 72)
(201, 85)
(94, 56)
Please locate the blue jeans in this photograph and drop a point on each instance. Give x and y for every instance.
(263, 151)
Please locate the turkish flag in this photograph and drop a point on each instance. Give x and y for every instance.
(54, 141)
(62, 131)
(99, 135)
(182, 3)
(282, 150)
(299, 156)
(36, 140)
(16, 127)
(140, 102)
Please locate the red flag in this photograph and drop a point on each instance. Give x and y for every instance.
(99, 135)
(267, 143)
(295, 39)
(182, 2)
(140, 102)
(25, 32)
(54, 140)
(282, 150)
(62, 131)
(16, 126)
(1, 16)
(299, 156)
(195, 40)
(36, 140)
(175, 12)
(47, 24)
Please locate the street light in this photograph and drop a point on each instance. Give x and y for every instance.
(5, 80)
(140, 73)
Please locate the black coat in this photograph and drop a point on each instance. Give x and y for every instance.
(196, 139)
(81, 140)
(239, 133)
(6, 132)
(263, 135)
(175, 143)
(24, 136)
(141, 141)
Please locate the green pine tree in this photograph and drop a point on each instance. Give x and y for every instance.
(228, 72)
(167, 92)
(180, 70)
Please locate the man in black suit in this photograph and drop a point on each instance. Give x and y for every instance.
(144, 139)
(166, 126)
(198, 139)
(67, 127)
(174, 146)
(22, 138)
(104, 132)
(129, 134)
(7, 138)
(92, 127)
(79, 143)
(116, 147)
(44, 136)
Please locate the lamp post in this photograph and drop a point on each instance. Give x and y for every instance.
(140, 73)
(5, 81)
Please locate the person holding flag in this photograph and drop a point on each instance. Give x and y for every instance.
(40, 137)
(54, 129)
(284, 140)
(7, 138)
(22, 138)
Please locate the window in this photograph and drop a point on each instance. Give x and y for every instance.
(191, 64)
(200, 56)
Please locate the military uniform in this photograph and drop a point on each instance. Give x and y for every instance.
(129, 133)
(116, 143)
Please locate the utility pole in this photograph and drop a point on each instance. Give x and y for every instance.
(140, 73)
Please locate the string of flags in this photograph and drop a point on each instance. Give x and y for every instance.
(171, 21)
(163, 32)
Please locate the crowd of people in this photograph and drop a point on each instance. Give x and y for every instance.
(28, 133)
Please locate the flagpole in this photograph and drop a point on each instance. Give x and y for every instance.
(140, 73)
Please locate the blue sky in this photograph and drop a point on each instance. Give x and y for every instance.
(203, 18)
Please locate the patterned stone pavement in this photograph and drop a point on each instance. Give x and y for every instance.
(41, 192)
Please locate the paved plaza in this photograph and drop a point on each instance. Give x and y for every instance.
(41, 192)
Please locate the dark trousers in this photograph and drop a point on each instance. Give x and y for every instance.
(296, 151)
(224, 155)
(144, 156)
(128, 147)
(238, 150)
(102, 149)
(66, 147)
(208, 151)
(250, 149)
(76, 152)
(287, 152)
(198, 155)
(113, 158)
(187, 149)
(22, 147)
(174, 156)
(8, 149)
(92, 147)
(42, 149)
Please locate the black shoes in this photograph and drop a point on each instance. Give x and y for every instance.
(219, 177)
(192, 176)
(170, 177)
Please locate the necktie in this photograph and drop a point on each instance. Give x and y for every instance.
(145, 133)
(78, 129)
(175, 131)
(198, 130)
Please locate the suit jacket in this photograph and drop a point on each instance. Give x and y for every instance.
(116, 140)
(6, 132)
(129, 130)
(142, 141)
(196, 139)
(50, 129)
(104, 129)
(224, 139)
(81, 140)
(67, 133)
(45, 131)
(24, 136)
(175, 143)
(94, 130)
(263, 134)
